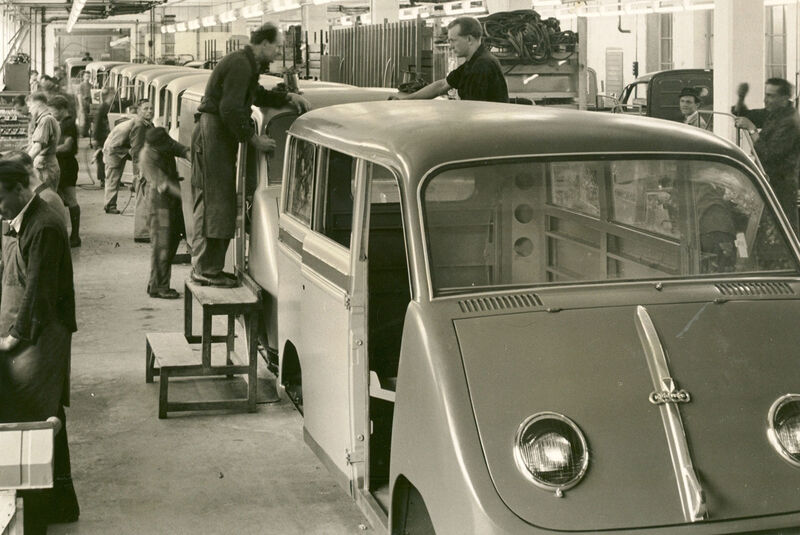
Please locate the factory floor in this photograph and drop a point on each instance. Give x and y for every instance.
(199, 473)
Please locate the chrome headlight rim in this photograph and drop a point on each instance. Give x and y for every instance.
(523, 467)
(772, 432)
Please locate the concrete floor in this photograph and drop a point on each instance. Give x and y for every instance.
(199, 473)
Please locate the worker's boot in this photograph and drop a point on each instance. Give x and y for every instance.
(75, 221)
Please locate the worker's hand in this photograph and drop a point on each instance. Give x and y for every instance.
(742, 90)
(745, 123)
(301, 103)
(398, 96)
(263, 143)
(7, 343)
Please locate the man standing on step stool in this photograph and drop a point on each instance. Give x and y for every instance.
(223, 121)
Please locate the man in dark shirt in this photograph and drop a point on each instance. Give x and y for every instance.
(223, 123)
(37, 319)
(778, 142)
(65, 152)
(478, 78)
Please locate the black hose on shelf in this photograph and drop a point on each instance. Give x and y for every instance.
(529, 37)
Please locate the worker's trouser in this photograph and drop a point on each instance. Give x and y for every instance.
(208, 254)
(113, 178)
(166, 225)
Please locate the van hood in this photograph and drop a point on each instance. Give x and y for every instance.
(734, 359)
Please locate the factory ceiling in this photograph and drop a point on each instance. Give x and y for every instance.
(93, 10)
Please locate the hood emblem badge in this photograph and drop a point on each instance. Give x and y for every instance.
(670, 393)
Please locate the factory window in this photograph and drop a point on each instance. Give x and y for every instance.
(665, 41)
(299, 198)
(775, 41)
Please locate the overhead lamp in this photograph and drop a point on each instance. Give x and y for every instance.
(639, 8)
(546, 3)
(163, 29)
(251, 11)
(671, 7)
(320, 2)
(211, 20)
(181, 27)
(779, 2)
(74, 13)
(228, 16)
(284, 5)
(698, 7)
(194, 24)
(171, 28)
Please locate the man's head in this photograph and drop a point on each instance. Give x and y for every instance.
(20, 106)
(145, 110)
(777, 93)
(34, 73)
(688, 101)
(86, 76)
(21, 157)
(37, 102)
(14, 193)
(266, 42)
(48, 84)
(464, 36)
(59, 106)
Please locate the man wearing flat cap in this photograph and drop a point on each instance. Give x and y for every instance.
(688, 102)
(224, 122)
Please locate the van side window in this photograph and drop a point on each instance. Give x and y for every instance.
(168, 113)
(277, 129)
(337, 176)
(301, 181)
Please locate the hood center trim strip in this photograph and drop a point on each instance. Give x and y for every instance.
(691, 494)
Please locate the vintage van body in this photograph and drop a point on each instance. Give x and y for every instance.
(656, 94)
(99, 71)
(74, 68)
(141, 81)
(125, 81)
(504, 319)
(158, 94)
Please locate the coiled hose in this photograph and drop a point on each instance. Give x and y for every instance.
(525, 34)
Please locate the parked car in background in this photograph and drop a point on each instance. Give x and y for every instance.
(538, 321)
(656, 94)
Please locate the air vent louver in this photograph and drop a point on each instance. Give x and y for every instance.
(500, 302)
(754, 288)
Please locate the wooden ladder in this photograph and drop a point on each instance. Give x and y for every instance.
(187, 354)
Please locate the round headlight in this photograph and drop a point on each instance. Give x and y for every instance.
(784, 427)
(551, 452)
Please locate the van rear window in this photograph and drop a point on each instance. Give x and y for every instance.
(522, 223)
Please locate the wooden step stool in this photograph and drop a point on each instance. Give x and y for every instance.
(172, 355)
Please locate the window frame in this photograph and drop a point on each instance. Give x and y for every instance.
(599, 223)
(288, 182)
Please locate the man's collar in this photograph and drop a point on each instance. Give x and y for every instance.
(16, 223)
(478, 52)
(693, 117)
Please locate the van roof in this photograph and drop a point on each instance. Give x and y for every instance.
(419, 135)
(150, 74)
(184, 82)
(162, 78)
(677, 72)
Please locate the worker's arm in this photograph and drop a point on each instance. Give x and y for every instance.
(35, 149)
(432, 90)
(138, 131)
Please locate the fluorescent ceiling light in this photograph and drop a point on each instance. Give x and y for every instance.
(228, 16)
(194, 24)
(163, 29)
(211, 20)
(181, 27)
(251, 11)
(171, 28)
(546, 3)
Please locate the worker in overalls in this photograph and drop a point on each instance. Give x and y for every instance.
(37, 319)
(223, 123)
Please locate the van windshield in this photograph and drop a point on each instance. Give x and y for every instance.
(527, 222)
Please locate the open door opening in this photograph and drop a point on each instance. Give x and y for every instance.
(388, 295)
